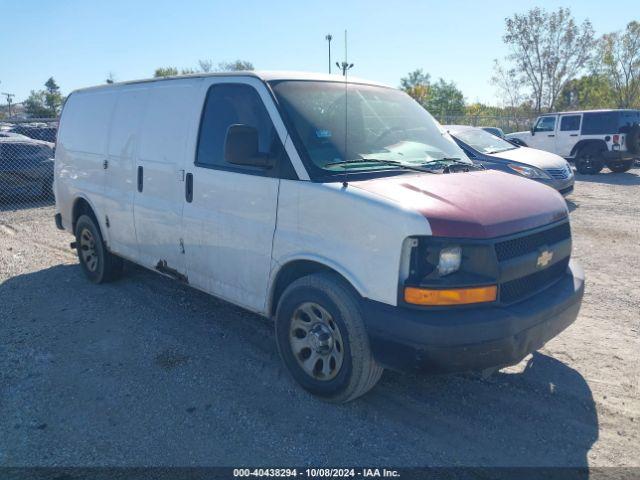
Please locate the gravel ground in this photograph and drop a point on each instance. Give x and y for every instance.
(148, 372)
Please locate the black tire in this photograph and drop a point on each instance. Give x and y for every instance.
(620, 167)
(357, 372)
(98, 264)
(633, 139)
(589, 160)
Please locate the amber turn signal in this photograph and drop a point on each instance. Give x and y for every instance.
(455, 296)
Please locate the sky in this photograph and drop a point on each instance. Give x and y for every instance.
(79, 42)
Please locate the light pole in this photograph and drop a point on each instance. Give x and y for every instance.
(345, 65)
(328, 38)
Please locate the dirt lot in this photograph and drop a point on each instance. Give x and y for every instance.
(147, 372)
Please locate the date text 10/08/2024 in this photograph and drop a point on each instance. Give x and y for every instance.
(316, 472)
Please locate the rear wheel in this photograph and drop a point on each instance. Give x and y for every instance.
(589, 160)
(322, 339)
(98, 264)
(620, 167)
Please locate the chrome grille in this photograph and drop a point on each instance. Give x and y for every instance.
(559, 173)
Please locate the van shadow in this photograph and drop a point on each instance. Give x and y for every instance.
(543, 416)
(629, 178)
(150, 361)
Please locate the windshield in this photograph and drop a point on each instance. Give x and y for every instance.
(480, 140)
(381, 124)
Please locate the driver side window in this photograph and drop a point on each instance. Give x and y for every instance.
(232, 104)
(545, 124)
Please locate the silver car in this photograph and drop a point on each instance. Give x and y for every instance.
(498, 154)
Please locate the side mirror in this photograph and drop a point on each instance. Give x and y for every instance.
(241, 147)
(533, 130)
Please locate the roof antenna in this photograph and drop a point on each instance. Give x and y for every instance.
(345, 66)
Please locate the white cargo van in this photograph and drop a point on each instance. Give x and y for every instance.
(342, 210)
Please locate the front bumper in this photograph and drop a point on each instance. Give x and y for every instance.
(563, 186)
(471, 339)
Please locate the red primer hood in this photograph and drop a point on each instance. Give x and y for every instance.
(482, 204)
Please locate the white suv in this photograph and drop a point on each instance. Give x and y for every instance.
(592, 138)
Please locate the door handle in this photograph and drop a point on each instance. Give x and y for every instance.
(550, 135)
(140, 178)
(188, 188)
(573, 135)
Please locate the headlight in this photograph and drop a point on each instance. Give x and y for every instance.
(450, 258)
(569, 170)
(529, 172)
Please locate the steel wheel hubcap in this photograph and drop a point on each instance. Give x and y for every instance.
(88, 250)
(316, 341)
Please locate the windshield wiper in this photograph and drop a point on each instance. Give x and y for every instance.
(457, 161)
(390, 163)
(491, 152)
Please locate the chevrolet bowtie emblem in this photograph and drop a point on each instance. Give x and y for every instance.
(544, 258)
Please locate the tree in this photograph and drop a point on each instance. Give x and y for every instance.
(34, 105)
(619, 53)
(547, 51)
(586, 92)
(445, 99)
(165, 72)
(417, 84)
(44, 103)
(509, 85)
(439, 98)
(206, 66)
(235, 66)
(52, 97)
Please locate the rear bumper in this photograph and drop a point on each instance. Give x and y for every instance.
(471, 339)
(618, 156)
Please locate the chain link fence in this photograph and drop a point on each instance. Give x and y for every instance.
(508, 124)
(27, 149)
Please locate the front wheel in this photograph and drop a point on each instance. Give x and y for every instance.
(322, 339)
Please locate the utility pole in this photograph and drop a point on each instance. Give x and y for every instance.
(344, 66)
(9, 100)
(328, 38)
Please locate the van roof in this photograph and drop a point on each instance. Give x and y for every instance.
(266, 76)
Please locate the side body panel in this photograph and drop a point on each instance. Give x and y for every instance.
(81, 152)
(229, 225)
(166, 132)
(120, 181)
(358, 234)
(567, 135)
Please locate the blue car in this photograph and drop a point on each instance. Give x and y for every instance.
(498, 154)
